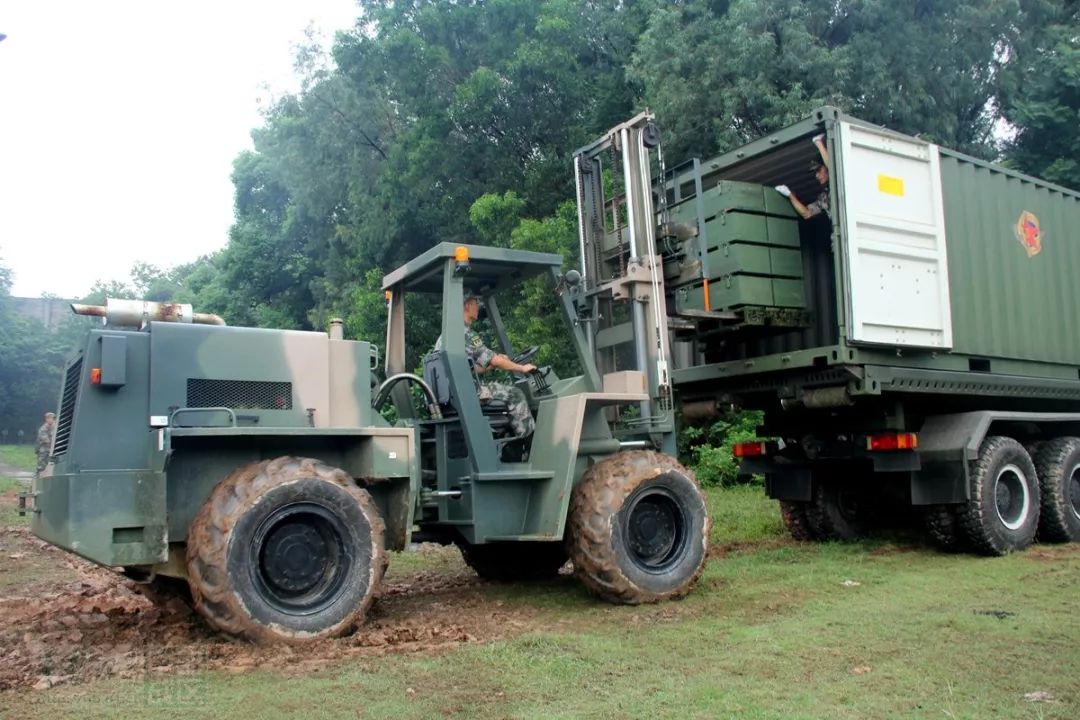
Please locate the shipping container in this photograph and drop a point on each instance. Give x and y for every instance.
(932, 313)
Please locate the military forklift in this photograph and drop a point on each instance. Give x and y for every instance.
(254, 467)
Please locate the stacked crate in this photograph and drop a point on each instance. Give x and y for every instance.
(751, 247)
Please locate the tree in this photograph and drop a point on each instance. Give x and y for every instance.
(721, 74)
(1040, 93)
(31, 362)
(431, 106)
(529, 308)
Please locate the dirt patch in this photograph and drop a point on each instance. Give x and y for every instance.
(718, 551)
(103, 625)
(894, 549)
(30, 567)
(1051, 553)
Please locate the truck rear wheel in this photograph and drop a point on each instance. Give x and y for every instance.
(942, 525)
(638, 528)
(286, 550)
(1058, 465)
(515, 561)
(795, 520)
(837, 511)
(1002, 512)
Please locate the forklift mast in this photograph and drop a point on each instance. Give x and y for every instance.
(622, 303)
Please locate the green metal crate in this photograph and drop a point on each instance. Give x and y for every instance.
(782, 231)
(734, 291)
(738, 257)
(724, 198)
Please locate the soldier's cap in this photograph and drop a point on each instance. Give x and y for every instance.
(472, 295)
(814, 165)
(50, 415)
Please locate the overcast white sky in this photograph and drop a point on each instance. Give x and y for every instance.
(119, 121)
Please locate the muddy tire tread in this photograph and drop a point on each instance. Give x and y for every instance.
(593, 507)
(820, 515)
(798, 525)
(943, 528)
(207, 545)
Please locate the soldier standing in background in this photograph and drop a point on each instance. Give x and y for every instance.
(45, 435)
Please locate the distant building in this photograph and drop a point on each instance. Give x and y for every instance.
(50, 312)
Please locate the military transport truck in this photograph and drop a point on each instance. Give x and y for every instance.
(920, 340)
(256, 466)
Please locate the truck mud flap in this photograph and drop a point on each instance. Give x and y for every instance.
(792, 482)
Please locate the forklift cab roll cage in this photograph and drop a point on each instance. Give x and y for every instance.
(450, 271)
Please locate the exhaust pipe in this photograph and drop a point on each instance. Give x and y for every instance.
(136, 313)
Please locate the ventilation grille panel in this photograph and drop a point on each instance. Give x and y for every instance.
(67, 406)
(239, 394)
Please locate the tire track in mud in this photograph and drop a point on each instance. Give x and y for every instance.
(101, 625)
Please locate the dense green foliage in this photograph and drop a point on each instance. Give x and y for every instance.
(723, 73)
(31, 360)
(435, 121)
(1040, 92)
(707, 448)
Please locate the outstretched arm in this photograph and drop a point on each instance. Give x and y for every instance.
(504, 363)
(819, 143)
(484, 360)
(803, 211)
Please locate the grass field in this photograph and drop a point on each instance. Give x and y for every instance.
(19, 456)
(885, 628)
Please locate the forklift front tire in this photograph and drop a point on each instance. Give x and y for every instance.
(638, 528)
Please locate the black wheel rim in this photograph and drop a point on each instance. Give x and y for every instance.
(848, 505)
(1072, 489)
(298, 560)
(1011, 496)
(655, 531)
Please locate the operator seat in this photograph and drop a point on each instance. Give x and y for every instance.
(496, 411)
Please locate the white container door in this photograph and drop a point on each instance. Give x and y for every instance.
(893, 227)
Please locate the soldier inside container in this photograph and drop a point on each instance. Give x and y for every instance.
(44, 441)
(484, 359)
(820, 206)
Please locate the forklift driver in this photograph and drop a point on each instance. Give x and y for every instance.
(484, 359)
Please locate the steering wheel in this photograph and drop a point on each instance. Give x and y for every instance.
(525, 355)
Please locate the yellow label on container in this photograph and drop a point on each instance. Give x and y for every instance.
(890, 185)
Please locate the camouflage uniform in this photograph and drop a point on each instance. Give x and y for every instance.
(521, 420)
(821, 205)
(44, 445)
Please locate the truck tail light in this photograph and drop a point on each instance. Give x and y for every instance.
(886, 442)
(757, 448)
(95, 376)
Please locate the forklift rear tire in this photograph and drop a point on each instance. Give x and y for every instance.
(638, 528)
(286, 550)
(1058, 465)
(515, 561)
(1002, 511)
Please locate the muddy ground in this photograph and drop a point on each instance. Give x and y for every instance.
(64, 620)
